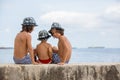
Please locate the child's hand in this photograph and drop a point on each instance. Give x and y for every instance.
(61, 63)
(35, 63)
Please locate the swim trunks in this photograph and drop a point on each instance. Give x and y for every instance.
(25, 60)
(45, 61)
(56, 59)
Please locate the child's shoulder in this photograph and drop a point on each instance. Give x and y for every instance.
(49, 44)
(38, 45)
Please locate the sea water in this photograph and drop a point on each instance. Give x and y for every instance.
(78, 55)
(95, 55)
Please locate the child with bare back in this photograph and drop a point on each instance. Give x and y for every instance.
(23, 51)
(44, 49)
(64, 47)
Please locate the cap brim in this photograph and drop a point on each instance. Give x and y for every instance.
(44, 37)
(33, 25)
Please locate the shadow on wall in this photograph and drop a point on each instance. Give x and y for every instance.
(112, 74)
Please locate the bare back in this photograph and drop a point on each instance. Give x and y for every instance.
(44, 51)
(20, 45)
(65, 48)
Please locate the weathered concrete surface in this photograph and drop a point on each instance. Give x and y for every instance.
(93, 71)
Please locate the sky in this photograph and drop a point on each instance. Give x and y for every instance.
(87, 23)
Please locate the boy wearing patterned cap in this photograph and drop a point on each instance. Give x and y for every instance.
(23, 51)
(43, 50)
(64, 47)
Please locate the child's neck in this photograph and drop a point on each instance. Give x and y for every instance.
(60, 36)
(44, 41)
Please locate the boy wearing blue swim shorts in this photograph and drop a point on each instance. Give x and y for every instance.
(64, 47)
(23, 51)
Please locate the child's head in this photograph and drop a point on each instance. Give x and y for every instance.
(56, 26)
(28, 24)
(43, 35)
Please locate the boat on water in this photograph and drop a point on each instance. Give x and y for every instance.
(101, 47)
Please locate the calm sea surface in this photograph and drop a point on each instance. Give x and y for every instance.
(78, 55)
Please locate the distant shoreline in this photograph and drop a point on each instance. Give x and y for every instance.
(6, 47)
(72, 48)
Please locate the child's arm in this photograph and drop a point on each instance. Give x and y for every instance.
(30, 49)
(35, 55)
(50, 51)
(35, 51)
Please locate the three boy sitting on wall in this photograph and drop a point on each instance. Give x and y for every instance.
(46, 54)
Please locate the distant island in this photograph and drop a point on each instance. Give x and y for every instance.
(97, 47)
(6, 47)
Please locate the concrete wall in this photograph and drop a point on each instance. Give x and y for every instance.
(93, 71)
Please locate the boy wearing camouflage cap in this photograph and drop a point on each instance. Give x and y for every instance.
(23, 51)
(64, 47)
(43, 50)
